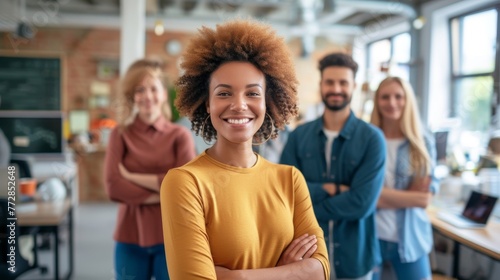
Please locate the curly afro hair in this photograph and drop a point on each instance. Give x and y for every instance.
(238, 40)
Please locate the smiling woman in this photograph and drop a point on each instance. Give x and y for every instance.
(237, 104)
(229, 213)
(403, 228)
(212, 48)
(140, 151)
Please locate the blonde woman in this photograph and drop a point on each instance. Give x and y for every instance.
(403, 228)
(140, 152)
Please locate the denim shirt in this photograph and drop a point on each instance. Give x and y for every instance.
(413, 225)
(358, 161)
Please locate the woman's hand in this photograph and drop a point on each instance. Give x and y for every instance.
(222, 272)
(123, 171)
(301, 248)
(148, 181)
(420, 184)
(152, 199)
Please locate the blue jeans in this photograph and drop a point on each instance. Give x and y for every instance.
(418, 270)
(140, 263)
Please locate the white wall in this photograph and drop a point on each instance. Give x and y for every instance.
(436, 85)
(433, 60)
(435, 54)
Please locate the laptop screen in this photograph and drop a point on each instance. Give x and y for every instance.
(479, 207)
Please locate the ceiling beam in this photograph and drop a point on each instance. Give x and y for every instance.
(339, 14)
(380, 6)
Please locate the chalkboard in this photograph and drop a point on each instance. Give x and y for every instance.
(30, 83)
(33, 135)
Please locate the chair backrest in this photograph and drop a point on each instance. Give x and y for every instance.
(24, 167)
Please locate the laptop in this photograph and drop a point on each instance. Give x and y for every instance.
(475, 214)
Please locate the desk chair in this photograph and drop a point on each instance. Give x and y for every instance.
(24, 167)
(21, 264)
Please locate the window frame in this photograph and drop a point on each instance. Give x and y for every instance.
(391, 56)
(456, 77)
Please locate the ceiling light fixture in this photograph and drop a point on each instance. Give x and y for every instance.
(159, 28)
(419, 22)
(23, 29)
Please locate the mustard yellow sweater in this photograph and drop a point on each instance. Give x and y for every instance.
(238, 218)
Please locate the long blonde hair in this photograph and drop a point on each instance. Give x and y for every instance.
(409, 124)
(135, 74)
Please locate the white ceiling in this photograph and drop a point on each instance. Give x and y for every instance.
(307, 19)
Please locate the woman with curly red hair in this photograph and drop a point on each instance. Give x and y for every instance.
(229, 213)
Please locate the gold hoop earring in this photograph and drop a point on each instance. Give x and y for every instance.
(203, 131)
(270, 134)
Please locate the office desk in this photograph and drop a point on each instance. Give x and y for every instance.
(50, 215)
(485, 240)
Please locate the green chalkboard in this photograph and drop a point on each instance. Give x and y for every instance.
(30, 83)
(33, 135)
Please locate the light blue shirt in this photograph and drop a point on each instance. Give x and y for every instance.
(357, 160)
(413, 225)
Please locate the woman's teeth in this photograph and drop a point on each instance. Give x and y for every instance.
(238, 121)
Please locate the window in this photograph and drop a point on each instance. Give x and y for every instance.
(389, 57)
(474, 57)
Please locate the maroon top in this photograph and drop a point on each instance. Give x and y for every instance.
(142, 148)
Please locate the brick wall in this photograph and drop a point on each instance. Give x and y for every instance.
(83, 49)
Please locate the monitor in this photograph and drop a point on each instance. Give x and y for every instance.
(441, 139)
(30, 133)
